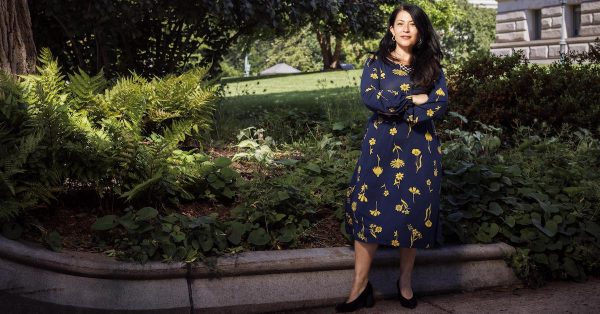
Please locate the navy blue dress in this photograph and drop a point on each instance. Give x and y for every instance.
(393, 197)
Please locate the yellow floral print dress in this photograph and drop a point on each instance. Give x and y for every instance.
(394, 195)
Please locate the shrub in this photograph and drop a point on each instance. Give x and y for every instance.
(19, 144)
(279, 206)
(145, 234)
(507, 91)
(540, 196)
(121, 141)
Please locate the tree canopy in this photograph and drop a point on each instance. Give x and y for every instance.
(157, 37)
(150, 37)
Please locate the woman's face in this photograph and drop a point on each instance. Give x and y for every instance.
(404, 30)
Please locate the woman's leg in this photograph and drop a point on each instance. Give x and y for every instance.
(407, 261)
(363, 256)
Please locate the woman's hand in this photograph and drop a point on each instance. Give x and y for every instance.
(419, 99)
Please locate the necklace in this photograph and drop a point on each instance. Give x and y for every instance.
(398, 56)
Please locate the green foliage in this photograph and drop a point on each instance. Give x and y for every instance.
(152, 105)
(254, 146)
(356, 50)
(20, 142)
(122, 140)
(150, 37)
(164, 174)
(299, 50)
(592, 55)
(442, 14)
(274, 212)
(508, 91)
(332, 21)
(278, 207)
(156, 37)
(472, 31)
(18, 190)
(145, 234)
(540, 196)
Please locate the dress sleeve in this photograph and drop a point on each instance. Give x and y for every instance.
(376, 99)
(436, 105)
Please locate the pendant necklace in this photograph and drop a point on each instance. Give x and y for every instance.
(404, 67)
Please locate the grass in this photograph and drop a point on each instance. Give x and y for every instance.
(288, 106)
(293, 83)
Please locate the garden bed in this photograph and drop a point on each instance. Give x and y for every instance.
(74, 227)
(73, 222)
(131, 169)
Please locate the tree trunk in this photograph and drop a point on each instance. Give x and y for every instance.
(335, 60)
(325, 44)
(331, 60)
(17, 48)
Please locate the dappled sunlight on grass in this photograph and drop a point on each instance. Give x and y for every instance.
(291, 83)
(287, 114)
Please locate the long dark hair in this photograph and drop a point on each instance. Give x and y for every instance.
(427, 56)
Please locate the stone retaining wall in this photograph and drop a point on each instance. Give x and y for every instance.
(36, 280)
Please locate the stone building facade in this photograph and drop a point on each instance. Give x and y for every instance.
(535, 26)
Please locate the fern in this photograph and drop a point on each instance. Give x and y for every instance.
(11, 162)
(18, 146)
(61, 133)
(86, 87)
(143, 186)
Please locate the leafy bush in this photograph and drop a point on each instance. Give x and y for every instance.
(275, 208)
(279, 206)
(121, 141)
(145, 234)
(507, 91)
(18, 142)
(254, 146)
(540, 196)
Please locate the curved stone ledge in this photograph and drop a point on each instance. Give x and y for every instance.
(249, 263)
(85, 264)
(35, 279)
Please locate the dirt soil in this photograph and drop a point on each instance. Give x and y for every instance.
(74, 227)
(73, 223)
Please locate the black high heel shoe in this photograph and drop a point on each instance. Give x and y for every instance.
(365, 299)
(409, 303)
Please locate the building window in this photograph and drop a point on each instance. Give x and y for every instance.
(534, 23)
(576, 23)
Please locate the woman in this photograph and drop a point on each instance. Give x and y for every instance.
(394, 194)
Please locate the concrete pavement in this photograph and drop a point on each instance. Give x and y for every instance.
(554, 297)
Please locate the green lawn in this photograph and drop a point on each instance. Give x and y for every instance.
(293, 83)
(287, 105)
